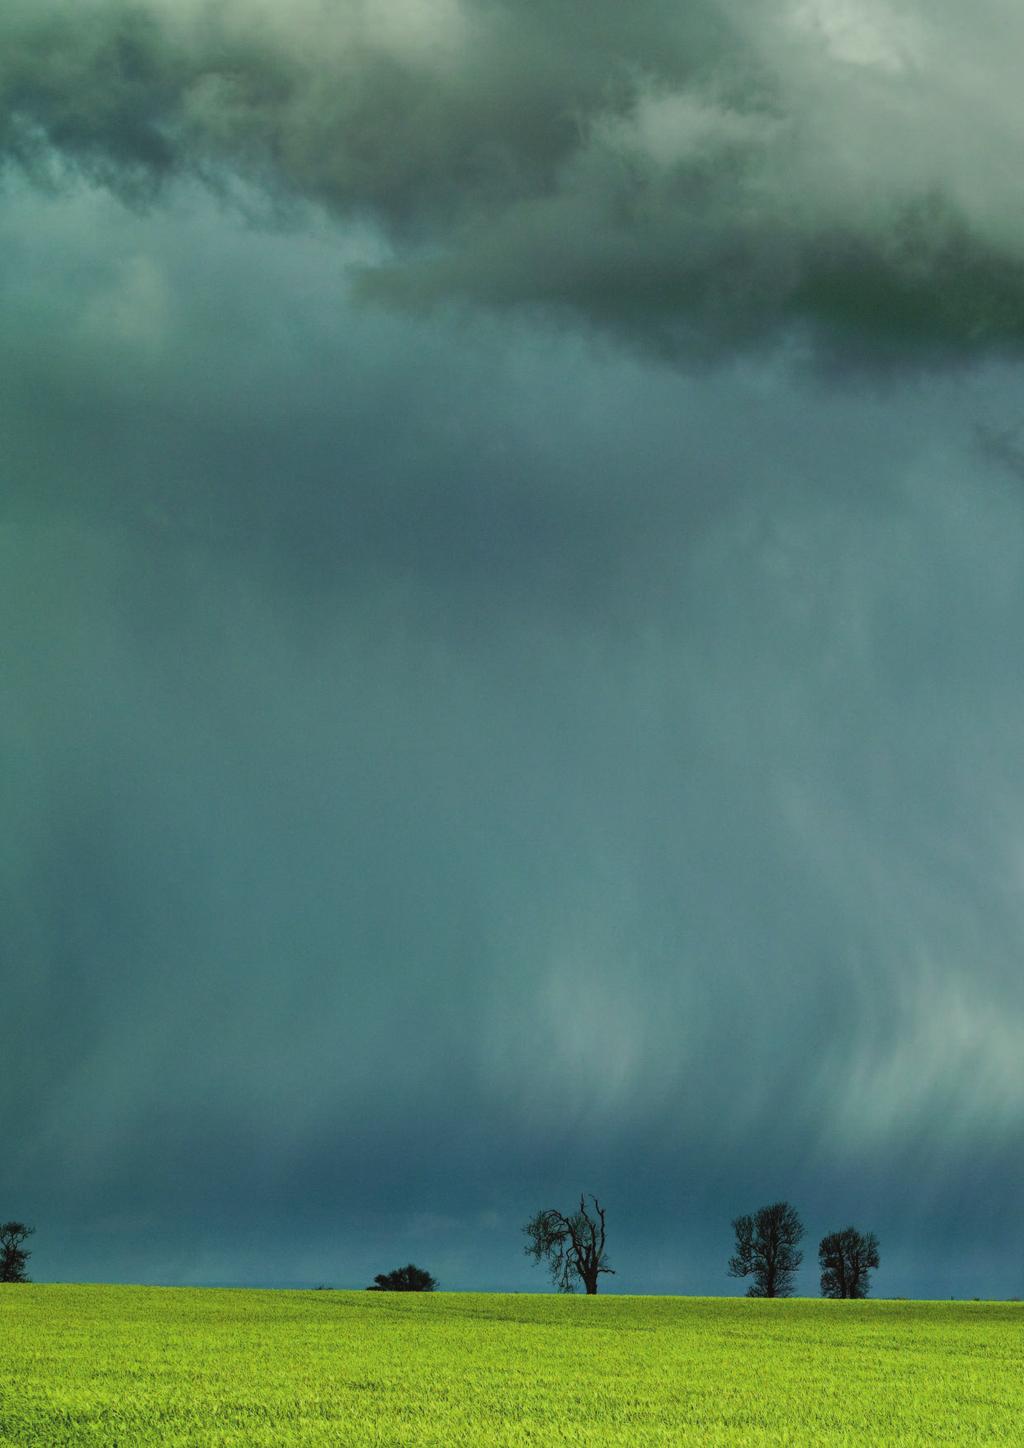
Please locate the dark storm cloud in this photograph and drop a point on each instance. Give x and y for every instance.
(446, 761)
(453, 767)
(692, 177)
(361, 934)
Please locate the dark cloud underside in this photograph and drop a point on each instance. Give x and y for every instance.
(692, 177)
(449, 759)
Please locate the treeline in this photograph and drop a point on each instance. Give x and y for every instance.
(767, 1251)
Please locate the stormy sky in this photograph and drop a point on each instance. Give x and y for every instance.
(512, 597)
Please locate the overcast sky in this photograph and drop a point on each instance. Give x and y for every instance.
(512, 590)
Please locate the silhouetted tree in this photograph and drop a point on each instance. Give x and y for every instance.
(766, 1249)
(404, 1279)
(573, 1246)
(12, 1252)
(846, 1259)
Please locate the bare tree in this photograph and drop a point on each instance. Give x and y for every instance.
(573, 1246)
(13, 1256)
(404, 1279)
(846, 1259)
(766, 1250)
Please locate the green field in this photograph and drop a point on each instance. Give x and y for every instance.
(128, 1365)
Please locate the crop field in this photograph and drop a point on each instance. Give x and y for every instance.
(175, 1366)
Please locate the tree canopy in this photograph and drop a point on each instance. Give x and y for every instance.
(13, 1256)
(767, 1251)
(404, 1279)
(846, 1259)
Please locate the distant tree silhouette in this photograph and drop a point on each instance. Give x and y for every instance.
(573, 1246)
(766, 1250)
(846, 1260)
(12, 1252)
(404, 1279)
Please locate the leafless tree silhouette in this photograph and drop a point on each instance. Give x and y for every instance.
(573, 1245)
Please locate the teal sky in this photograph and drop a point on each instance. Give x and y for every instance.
(512, 588)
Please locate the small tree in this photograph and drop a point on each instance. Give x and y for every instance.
(573, 1246)
(846, 1260)
(404, 1279)
(766, 1249)
(12, 1253)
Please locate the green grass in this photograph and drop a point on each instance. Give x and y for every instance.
(175, 1366)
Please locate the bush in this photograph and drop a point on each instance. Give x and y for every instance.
(404, 1279)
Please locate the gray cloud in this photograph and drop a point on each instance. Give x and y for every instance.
(455, 766)
(448, 761)
(693, 178)
(333, 929)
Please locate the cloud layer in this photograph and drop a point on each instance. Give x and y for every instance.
(693, 177)
(450, 761)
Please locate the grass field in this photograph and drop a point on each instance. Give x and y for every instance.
(149, 1365)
